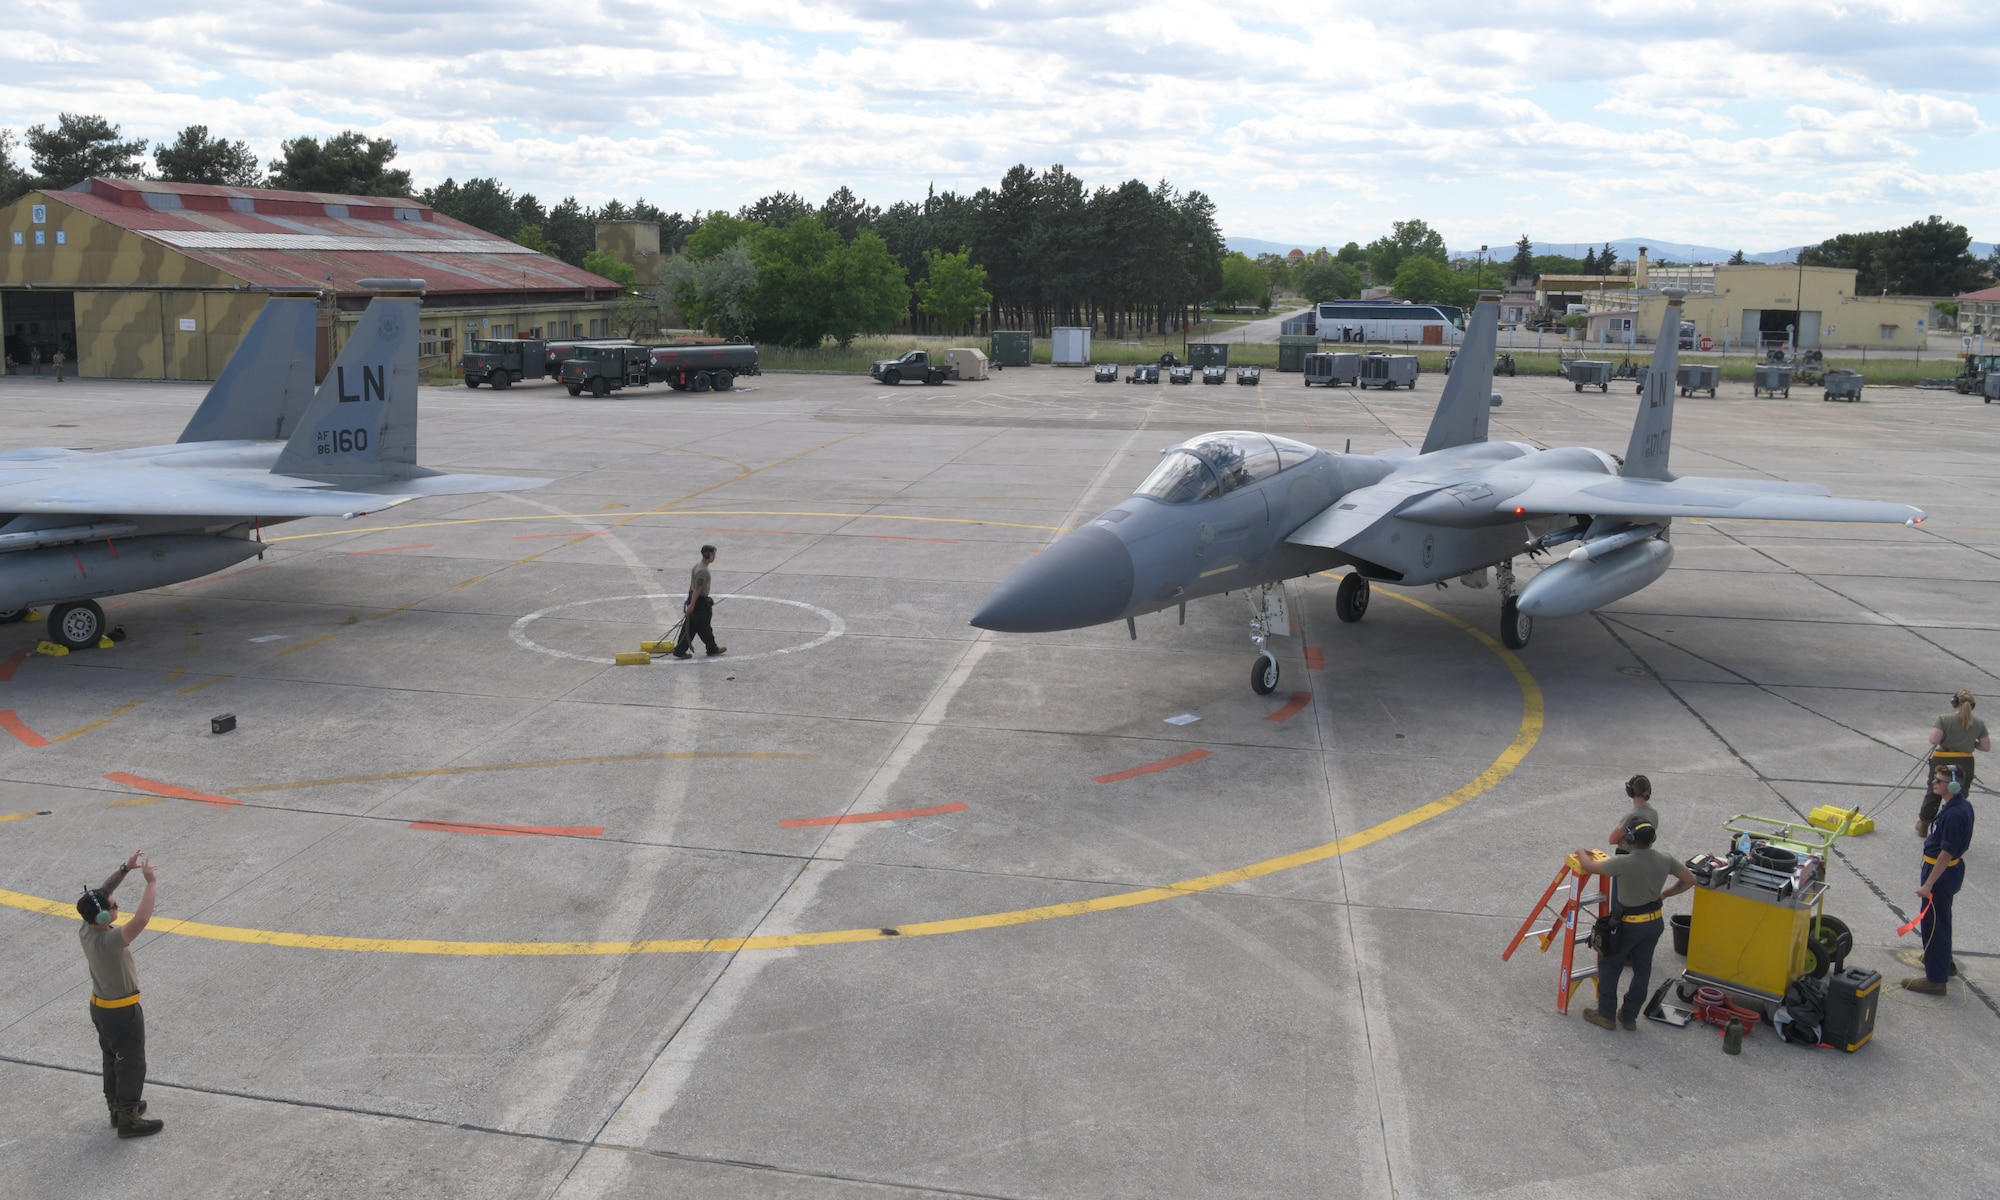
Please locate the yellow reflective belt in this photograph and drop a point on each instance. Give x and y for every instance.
(1642, 918)
(127, 1002)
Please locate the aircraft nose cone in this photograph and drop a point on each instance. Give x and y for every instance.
(1084, 579)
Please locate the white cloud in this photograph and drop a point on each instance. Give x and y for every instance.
(1321, 121)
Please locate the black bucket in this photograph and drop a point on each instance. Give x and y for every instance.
(1683, 923)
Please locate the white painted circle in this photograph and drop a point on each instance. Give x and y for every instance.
(835, 627)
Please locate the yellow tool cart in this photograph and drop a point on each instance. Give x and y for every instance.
(1758, 920)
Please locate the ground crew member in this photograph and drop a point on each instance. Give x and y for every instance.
(700, 610)
(1639, 876)
(114, 996)
(59, 360)
(1942, 874)
(1955, 736)
(1639, 790)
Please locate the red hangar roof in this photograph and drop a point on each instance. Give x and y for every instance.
(300, 239)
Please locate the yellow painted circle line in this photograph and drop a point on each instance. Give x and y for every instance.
(1525, 737)
(671, 512)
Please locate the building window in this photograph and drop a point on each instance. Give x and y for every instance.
(1889, 333)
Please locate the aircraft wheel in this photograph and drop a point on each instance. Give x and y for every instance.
(723, 381)
(1264, 675)
(1350, 604)
(1516, 627)
(77, 624)
(13, 616)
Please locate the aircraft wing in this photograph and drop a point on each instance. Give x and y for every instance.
(1562, 493)
(159, 491)
(1357, 512)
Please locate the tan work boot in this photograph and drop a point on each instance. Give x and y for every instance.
(141, 1111)
(1599, 1019)
(1922, 985)
(131, 1125)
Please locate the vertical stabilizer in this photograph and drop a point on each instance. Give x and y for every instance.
(362, 424)
(266, 385)
(1466, 408)
(1653, 432)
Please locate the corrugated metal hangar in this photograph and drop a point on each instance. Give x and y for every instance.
(139, 279)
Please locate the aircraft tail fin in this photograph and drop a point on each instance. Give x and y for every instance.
(1653, 432)
(1465, 410)
(264, 388)
(362, 423)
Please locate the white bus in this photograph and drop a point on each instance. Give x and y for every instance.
(1390, 321)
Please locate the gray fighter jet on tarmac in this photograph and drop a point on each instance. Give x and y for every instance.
(1245, 511)
(262, 449)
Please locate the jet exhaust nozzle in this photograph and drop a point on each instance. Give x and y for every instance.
(1578, 585)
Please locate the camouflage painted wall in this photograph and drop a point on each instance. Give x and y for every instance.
(636, 243)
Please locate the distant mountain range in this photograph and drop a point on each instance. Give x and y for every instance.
(1627, 248)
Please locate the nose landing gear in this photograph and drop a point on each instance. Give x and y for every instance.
(1516, 627)
(1268, 619)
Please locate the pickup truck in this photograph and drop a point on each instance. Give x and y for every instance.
(702, 368)
(601, 370)
(914, 366)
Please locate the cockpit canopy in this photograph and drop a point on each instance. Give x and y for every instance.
(1216, 463)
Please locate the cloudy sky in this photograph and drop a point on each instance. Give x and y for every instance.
(1759, 125)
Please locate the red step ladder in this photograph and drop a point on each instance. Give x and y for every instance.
(1568, 895)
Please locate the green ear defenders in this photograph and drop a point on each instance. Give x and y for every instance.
(95, 907)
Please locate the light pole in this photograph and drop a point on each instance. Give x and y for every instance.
(1479, 279)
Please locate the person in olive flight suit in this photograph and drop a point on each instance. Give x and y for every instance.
(700, 610)
(114, 996)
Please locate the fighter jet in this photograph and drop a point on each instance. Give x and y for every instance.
(1244, 511)
(263, 448)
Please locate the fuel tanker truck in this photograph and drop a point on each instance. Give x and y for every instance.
(702, 368)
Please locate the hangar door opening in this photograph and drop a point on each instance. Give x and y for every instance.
(1775, 325)
(38, 320)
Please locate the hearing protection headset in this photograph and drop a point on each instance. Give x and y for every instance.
(1952, 786)
(1638, 786)
(94, 906)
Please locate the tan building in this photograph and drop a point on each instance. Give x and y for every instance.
(1979, 313)
(139, 279)
(1760, 304)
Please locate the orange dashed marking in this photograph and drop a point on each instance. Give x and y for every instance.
(155, 787)
(934, 810)
(13, 663)
(1292, 708)
(510, 830)
(390, 549)
(231, 575)
(19, 728)
(1315, 659)
(1165, 764)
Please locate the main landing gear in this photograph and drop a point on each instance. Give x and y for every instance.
(77, 624)
(1516, 627)
(1268, 618)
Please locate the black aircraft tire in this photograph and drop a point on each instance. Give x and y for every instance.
(1264, 675)
(13, 616)
(1350, 603)
(1516, 627)
(77, 624)
(723, 381)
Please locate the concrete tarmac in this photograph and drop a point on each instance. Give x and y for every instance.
(876, 905)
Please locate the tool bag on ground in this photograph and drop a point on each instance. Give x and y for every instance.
(1803, 1012)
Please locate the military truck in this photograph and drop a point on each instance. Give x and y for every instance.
(914, 366)
(561, 352)
(702, 368)
(601, 370)
(503, 362)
